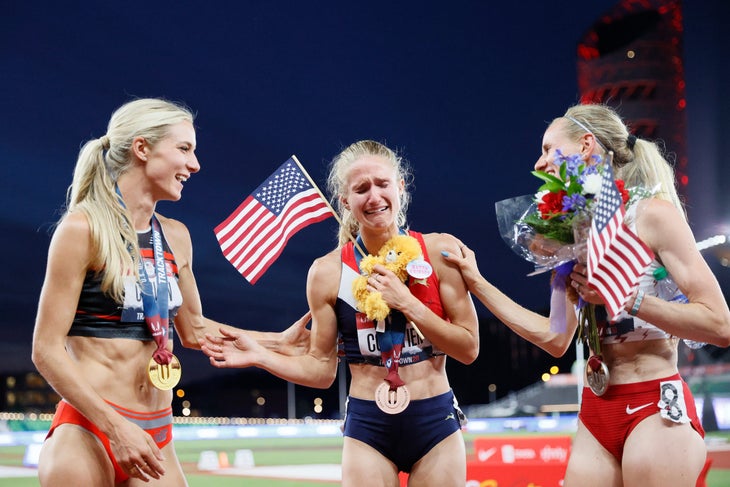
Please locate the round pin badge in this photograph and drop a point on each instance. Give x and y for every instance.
(419, 269)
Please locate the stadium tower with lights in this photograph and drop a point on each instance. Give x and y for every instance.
(631, 59)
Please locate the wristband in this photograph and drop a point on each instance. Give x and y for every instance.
(637, 303)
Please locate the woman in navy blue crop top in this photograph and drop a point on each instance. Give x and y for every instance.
(385, 430)
(102, 329)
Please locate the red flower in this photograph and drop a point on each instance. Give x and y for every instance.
(551, 205)
(622, 190)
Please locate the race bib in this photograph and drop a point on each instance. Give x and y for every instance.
(414, 350)
(133, 311)
(671, 401)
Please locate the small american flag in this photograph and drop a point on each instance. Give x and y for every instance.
(254, 235)
(616, 255)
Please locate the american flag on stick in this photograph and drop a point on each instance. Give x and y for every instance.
(254, 235)
(616, 255)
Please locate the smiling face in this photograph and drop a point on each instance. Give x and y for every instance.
(556, 138)
(373, 193)
(171, 161)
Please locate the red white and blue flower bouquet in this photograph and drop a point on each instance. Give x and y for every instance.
(550, 228)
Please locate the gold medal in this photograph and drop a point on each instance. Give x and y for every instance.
(164, 377)
(392, 402)
(597, 375)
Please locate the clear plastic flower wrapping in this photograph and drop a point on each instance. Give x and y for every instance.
(546, 254)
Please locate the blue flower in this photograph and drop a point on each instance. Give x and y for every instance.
(574, 203)
(573, 164)
(590, 171)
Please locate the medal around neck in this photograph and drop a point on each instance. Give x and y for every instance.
(164, 368)
(392, 401)
(597, 375)
(164, 376)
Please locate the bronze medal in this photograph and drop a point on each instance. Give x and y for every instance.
(392, 402)
(597, 375)
(164, 376)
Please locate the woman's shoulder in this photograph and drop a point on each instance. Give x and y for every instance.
(178, 238)
(170, 224)
(327, 263)
(658, 221)
(75, 221)
(71, 239)
(323, 279)
(654, 212)
(74, 227)
(655, 205)
(174, 229)
(441, 241)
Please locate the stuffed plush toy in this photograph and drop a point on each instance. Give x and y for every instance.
(400, 255)
(395, 255)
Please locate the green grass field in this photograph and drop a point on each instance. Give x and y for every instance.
(273, 451)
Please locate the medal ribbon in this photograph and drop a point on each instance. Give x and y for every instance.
(156, 312)
(391, 340)
(591, 335)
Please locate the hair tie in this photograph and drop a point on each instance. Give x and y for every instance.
(631, 141)
(104, 140)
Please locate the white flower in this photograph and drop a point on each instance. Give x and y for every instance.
(592, 184)
(540, 195)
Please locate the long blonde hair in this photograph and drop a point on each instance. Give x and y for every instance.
(641, 165)
(115, 252)
(337, 183)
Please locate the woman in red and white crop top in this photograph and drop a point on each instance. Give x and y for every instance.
(642, 429)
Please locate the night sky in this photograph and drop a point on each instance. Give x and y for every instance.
(462, 89)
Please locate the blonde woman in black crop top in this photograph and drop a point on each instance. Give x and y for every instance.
(95, 335)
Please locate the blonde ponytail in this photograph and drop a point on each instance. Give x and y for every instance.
(93, 189)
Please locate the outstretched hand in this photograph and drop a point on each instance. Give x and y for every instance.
(234, 349)
(295, 339)
(467, 264)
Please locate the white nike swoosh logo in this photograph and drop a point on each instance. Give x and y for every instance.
(484, 455)
(630, 410)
